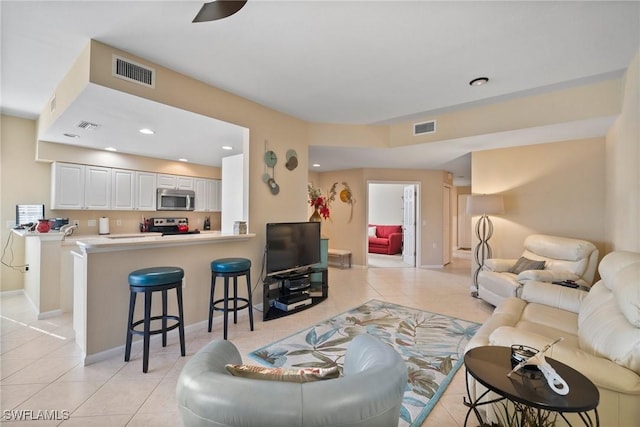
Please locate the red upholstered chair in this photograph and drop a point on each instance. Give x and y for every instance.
(387, 239)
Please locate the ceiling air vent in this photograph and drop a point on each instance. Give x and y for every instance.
(88, 125)
(133, 72)
(425, 127)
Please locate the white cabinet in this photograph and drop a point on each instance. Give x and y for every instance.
(207, 194)
(123, 189)
(133, 190)
(145, 195)
(67, 186)
(175, 182)
(97, 188)
(80, 187)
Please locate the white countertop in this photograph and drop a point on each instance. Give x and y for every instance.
(132, 241)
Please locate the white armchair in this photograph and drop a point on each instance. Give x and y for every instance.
(564, 259)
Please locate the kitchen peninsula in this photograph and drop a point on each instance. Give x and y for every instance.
(101, 292)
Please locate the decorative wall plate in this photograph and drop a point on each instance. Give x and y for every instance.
(292, 159)
(270, 158)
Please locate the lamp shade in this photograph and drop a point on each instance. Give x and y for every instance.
(485, 204)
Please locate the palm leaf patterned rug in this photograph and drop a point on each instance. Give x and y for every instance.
(431, 344)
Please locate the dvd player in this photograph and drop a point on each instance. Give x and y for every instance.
(292, 301)
(297, 283)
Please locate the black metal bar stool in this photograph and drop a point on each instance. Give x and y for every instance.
(149, 280)
(226, 268)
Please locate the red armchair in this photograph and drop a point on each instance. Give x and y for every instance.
(387, 239)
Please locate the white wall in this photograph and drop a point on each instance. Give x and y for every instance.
(385, 203)
(233, 193)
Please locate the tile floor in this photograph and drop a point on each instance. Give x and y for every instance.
(41, 369)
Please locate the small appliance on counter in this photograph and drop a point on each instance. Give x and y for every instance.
(57, 223)
(170, 226)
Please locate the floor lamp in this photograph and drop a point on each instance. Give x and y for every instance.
(484, 205)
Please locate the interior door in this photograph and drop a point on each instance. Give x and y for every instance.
(409, 226)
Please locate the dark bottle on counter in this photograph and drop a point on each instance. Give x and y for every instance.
(207, 223)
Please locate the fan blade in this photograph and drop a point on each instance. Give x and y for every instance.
(218, 9)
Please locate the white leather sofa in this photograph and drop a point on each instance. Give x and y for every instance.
(565, 259)
(601, 331)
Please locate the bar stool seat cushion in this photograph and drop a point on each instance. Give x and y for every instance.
(230, 265)
(155, 276)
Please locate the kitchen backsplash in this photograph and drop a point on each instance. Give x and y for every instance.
(122, 222)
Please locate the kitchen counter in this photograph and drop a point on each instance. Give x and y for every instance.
(137, 241)
(101, 265)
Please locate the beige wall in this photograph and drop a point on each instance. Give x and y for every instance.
(600, 99)
(623, 170)
(24, 181)
(555, 189)
(353, 235)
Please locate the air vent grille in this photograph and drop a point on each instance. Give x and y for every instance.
(133, 72)
(424, 127)
(88, 125)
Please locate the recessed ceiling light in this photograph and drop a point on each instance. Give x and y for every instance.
(316, 165)
(71, 135)
(111, 149)
(226, 147)
(147, 131)
(479, 81)
(184, 160)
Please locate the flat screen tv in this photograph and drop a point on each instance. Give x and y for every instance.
(292, 247)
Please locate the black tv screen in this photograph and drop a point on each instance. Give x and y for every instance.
(292, 246)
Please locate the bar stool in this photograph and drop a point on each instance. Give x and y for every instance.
(147, 281)
(226, 268)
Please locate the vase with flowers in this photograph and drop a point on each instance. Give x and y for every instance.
(320, 204)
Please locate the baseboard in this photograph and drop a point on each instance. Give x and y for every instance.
(136, 345)
(13, 292)
(432, 266)
(49, 314)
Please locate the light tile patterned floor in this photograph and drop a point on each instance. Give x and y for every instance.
(41, 369)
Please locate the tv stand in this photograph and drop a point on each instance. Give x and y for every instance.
(290, 293)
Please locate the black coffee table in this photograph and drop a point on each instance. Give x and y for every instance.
(528, 388)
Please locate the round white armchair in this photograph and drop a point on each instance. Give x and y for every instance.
(369, 393)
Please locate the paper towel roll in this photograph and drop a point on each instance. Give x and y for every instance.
(103, 226)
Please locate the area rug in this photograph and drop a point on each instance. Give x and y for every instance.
(431, 344)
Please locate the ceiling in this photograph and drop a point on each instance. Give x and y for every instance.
(358, 62)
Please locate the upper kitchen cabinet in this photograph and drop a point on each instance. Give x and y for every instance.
(133, 190)
(80, 187)
(175, 182)
(145, 196)
(208, 193)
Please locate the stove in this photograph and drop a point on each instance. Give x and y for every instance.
(169, 226)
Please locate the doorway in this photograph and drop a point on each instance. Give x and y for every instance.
(392, 210)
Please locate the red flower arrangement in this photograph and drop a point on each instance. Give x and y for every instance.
(319, 202)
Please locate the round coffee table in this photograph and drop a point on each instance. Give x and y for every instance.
(529, 389)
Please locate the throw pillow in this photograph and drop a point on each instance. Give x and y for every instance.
(372, 232)
(524, 264)
(294, 375)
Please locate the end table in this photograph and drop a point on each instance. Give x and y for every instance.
(490, 365)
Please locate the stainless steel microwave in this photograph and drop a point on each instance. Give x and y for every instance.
(175, 200)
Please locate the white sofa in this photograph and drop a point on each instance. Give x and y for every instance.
(565, 259)
(601, 331)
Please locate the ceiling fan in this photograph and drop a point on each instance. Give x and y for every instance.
(218, 9)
